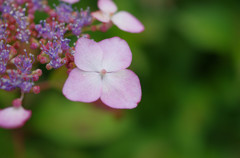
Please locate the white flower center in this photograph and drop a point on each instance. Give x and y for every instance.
(103, 72)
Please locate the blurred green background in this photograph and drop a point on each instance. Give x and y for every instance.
(188, 61)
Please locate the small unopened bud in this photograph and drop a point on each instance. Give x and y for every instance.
(48, 67)
(104, 28)
(32, 26)
(68, 71)
(36, 89)
(64, 60)
(12, 20)
(53, 13)
(16, 45)
(47, 9)
(34, 45)
(42, 59)
(94, 28)
(12, 27)
(17, 102)
(35, 77)
(69, 57)
(71, 65)
(39, 72)
(31, 16)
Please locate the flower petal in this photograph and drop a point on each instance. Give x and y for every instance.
(88, 55)
(121, 90)
(116, 54)
(107, 6)
(127, 22)
(82, 86)
(70, 1)
(13, 117)
(101, 16)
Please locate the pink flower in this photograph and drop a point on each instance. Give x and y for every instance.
(14, 117)
(101, 73)
(122, 19)
(70, 1)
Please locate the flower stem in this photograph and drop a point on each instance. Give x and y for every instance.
(18, 142)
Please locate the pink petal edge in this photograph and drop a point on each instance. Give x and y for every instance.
(127, 22)
(121, 90)
(13, 117)
(116, 54)
(82, 86)
(107, 6)
(101, 16)
(70, 1)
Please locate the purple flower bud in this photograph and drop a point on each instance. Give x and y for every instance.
(64, 12)
(51, 30)
(38, 5)
(4, 56)
(65, 44)
(23, 35)
(21, 19)
(26, 86)
(2, 67)
(53, 50)
(3, 32)
(22, 77)
(83, 19)
(24, 63)
(6, 7)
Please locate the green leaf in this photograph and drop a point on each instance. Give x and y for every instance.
(208, 26)
(75, 123)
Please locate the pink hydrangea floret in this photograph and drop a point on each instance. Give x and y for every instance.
(14, 117)
(101, 73)
(122, 19)
(70, 1)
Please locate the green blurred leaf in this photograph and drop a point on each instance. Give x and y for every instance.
(58, 77)
(67, 122)
(6, 145)
(208, 26)
(7, 97)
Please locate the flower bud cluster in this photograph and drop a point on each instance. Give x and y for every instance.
(83, 19)
(16, 15)
(4, 49)
(26, 44)
(22, 77)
